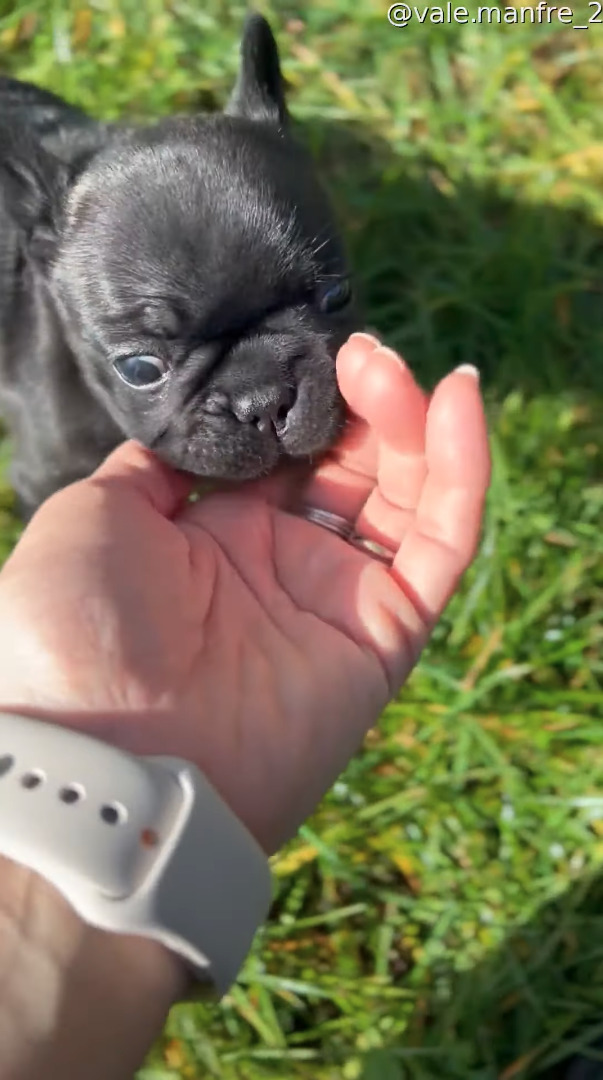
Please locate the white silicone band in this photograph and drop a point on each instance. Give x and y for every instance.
(136, 845)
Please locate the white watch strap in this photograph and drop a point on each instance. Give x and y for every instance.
(136, 845)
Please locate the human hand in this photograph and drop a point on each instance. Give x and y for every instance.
(232, 632)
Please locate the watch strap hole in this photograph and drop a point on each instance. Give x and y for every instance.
(32, 779)
(6, 763)
(71, 794)
(114, 813)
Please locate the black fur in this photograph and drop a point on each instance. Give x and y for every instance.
(204, 242)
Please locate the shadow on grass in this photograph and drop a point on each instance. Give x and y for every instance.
(527, 1011)
(457, 275)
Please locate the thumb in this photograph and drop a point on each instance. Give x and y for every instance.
(132, 466)
(89, 514)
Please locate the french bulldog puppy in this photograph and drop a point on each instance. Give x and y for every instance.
(182, 284)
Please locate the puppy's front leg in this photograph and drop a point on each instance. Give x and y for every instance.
(27, 494)
(33, 486)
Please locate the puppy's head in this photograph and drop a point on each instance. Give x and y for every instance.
(203, 285)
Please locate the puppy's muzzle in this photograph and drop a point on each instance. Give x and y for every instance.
(266, 408)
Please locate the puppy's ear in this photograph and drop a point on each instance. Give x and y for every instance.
(260, 90)
(33, 186)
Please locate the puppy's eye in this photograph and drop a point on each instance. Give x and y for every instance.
(140, 371)
(335, 296)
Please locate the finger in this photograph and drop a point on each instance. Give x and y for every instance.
(436, 551)
(388, 406)
(133, 465)
(346, 475)
(396, 407)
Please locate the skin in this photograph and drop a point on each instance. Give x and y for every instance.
(235, 634)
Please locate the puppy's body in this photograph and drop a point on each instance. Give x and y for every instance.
(58, 431)
(181, 284)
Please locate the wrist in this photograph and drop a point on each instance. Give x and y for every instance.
(135, 732)
(74, 1001)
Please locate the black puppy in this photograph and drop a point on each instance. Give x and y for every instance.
(181, 284)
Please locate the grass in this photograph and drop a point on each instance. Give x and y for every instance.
(440, 916)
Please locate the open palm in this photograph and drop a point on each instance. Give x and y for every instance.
(232, 631)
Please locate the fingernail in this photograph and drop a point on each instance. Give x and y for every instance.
(384, 350)
(468, 369)
(365, 336)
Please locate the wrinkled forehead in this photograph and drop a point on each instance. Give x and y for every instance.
(169, 220)
(215, 196)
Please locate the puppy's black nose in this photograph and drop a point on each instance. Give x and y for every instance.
(265, 407)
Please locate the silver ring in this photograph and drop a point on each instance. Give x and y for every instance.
(372, 548)
(345, 529)
(333, 522)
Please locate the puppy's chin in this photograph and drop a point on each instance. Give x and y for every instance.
(222, 449)
(217, 453)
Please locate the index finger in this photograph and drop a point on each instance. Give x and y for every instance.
(389, 412)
